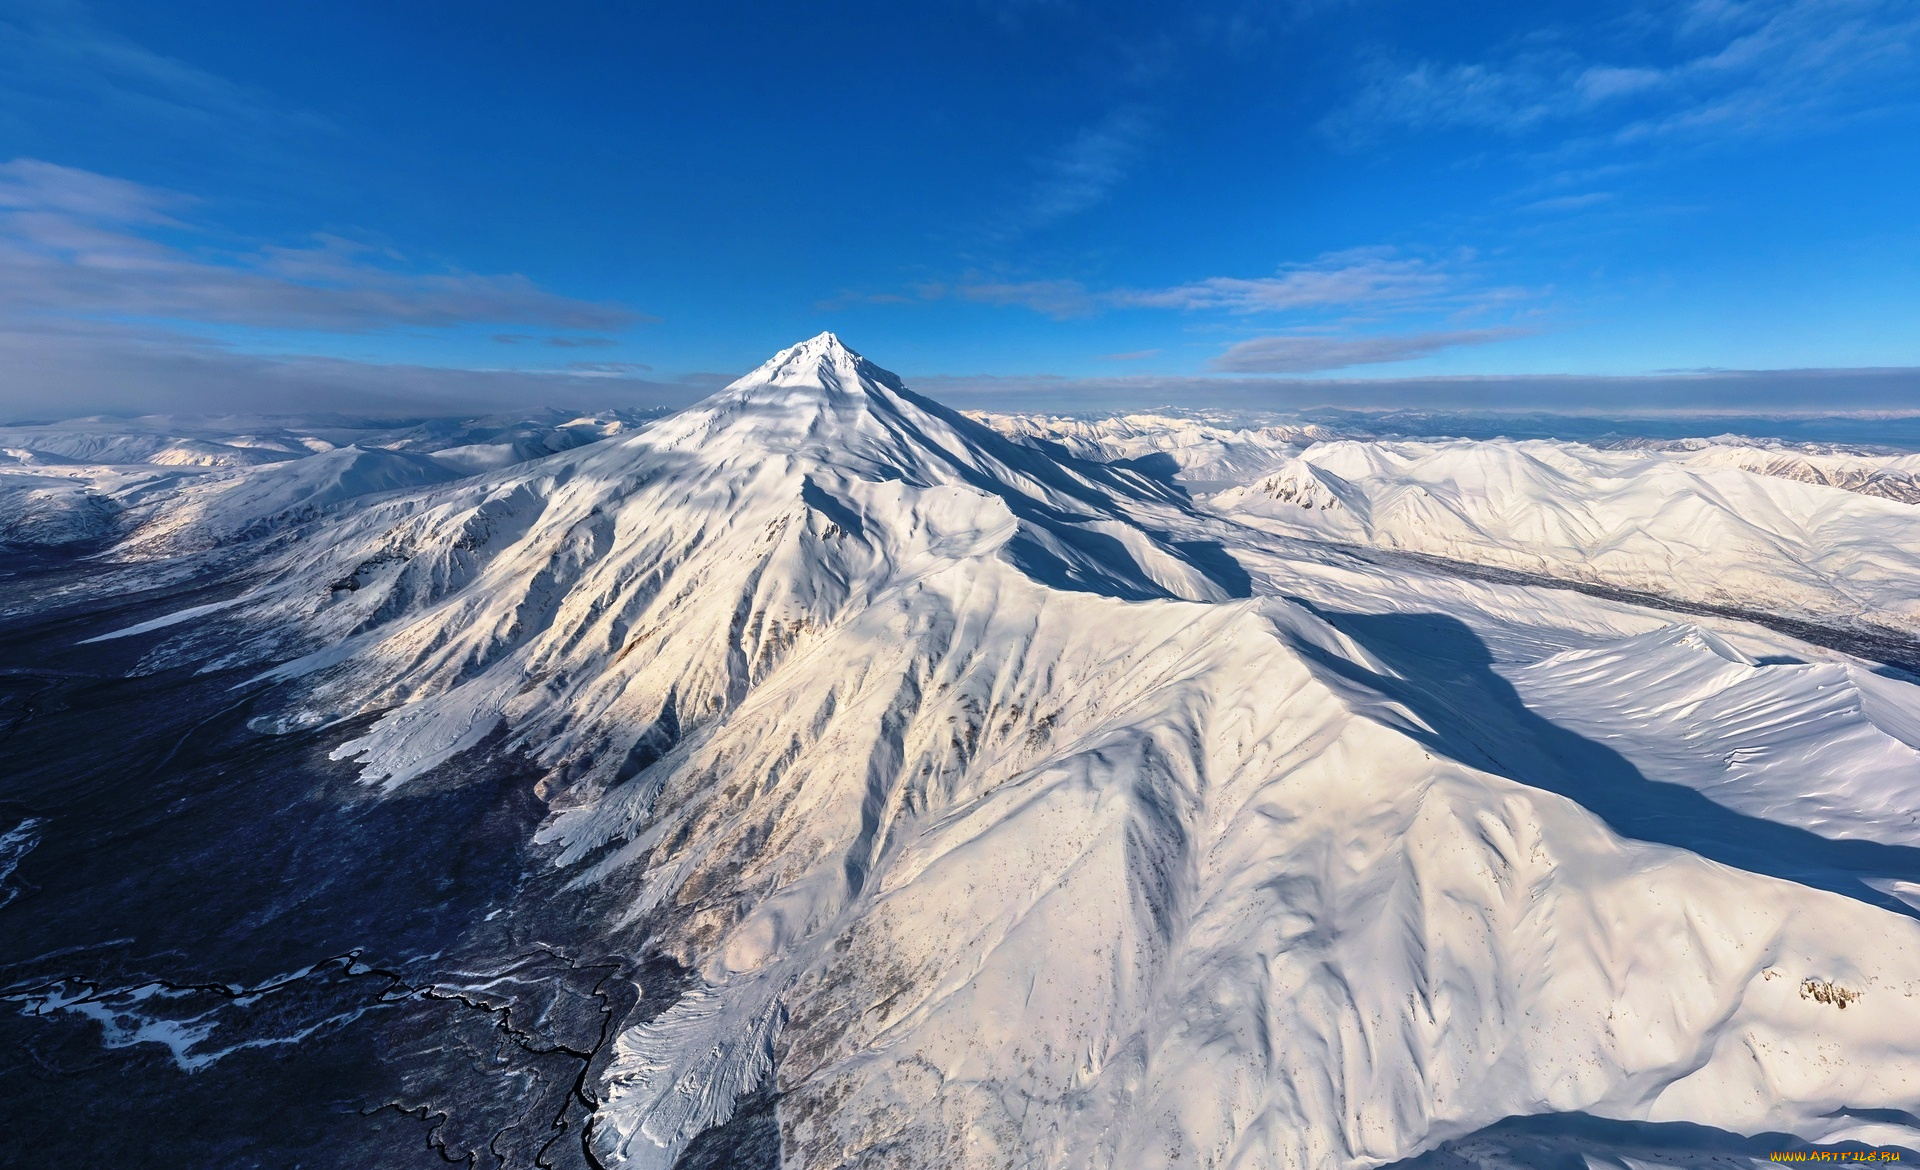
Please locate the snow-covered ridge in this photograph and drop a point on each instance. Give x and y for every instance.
(1219, 451)
(217, 509)
(1202, 452)
(160, 486)
(1826, 745)
(1695, 525)
(1892, 477)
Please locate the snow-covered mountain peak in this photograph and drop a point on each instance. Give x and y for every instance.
(821, 363)
(688, 560)
(824, 346)
(820, 424)
(824, 403)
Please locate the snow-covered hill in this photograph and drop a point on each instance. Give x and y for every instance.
(216, 509)
(1011, 808)
(1892, 477)
(159, 486)
(1830, 746)
(51, 510)
(1696, 526)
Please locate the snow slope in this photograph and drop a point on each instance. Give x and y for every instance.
(1006, 818)
(1829, 746)
(46, 510)
(1652, 522)
(216, 509)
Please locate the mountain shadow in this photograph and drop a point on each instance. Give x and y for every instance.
(1443, 672)
(1580, 1141)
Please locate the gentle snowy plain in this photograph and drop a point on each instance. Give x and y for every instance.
(1125, 793)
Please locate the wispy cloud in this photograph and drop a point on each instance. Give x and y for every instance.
(1138, 355)
(554, 342)
(1296, 354)
(52, 51)
(608, 369)
(848, 298)
(1055, 298)
(1709, 67)
(78, 243)
(1356, 277)
(103, 281)
(1361, 276)
(1085, 170)
(1578, 202)
(1079, 174)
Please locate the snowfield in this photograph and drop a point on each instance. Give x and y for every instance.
(1019, 799)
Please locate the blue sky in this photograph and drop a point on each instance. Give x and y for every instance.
(1349, 202)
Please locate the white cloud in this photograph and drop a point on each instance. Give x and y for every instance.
(1358, 277)
(1362, 276)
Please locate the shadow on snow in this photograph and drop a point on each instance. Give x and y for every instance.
(1443, 673)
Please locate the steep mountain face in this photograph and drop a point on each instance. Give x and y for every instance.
(999, 816)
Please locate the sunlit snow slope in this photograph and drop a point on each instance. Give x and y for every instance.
(1006, 819)
(1675, 524)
